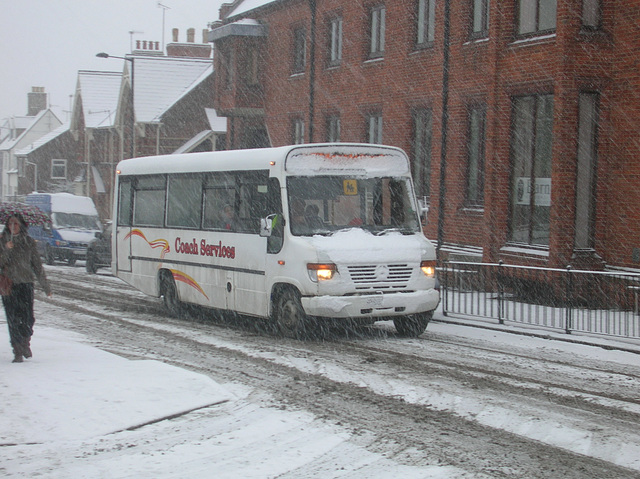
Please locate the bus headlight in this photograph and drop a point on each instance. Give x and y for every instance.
(428, 268)
(321, 271)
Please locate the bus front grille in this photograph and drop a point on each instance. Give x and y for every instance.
(380, 277)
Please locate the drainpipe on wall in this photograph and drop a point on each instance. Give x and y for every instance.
(445, 121)
(312, 67)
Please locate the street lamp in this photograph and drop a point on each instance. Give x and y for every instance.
(133, 108)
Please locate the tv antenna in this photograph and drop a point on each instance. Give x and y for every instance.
(164, 10)
(131, 33)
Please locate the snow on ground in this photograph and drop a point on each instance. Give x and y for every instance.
(74, 410)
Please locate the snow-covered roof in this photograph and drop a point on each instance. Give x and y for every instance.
(247, 5)
(245, 27)
(160, 82)
(10, 143)
(99, 92)
(43, 140)
(218, 123)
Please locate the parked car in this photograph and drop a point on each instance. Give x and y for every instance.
(99, 250)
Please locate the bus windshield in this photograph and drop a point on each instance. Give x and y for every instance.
(325, 204)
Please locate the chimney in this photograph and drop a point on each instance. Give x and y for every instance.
(36, 100)
(226, 8)
(190, 49)
(148, 47)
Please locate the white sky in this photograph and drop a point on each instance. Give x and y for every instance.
(45, 42)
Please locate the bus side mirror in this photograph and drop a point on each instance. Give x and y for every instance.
(266, 226)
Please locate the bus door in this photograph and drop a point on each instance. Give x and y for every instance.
(123, 228)
(248, 289)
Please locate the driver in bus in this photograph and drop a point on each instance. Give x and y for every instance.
(228, 218)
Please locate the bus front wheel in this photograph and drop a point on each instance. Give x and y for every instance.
(291, 319)
(169, 294)
(412, 325)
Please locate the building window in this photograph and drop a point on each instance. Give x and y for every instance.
(475, 156)
(374, 128)
(480, 19)
(426, 23)
(22, 163)
(227, 68)
(531, 142)
(58, 169)
(586, 170)
(421, 148)
(591, 14)
(335, 41)
(333, 128)
(297, 130)
(251, 68)
(299, 50)
(378, 26)
(537, 16)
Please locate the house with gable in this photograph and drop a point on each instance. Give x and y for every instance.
(171, 95)
(44, 164)
(173, 113)
(19, 132)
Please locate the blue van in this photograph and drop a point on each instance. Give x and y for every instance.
(74, 222)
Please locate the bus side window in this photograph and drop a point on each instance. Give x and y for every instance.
(274, 207)
(149, 201)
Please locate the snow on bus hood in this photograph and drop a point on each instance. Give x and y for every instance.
(80, 236)
(359, 246)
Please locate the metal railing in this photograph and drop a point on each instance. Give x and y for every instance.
(599, 302)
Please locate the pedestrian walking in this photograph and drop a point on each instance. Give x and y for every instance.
(20, 262)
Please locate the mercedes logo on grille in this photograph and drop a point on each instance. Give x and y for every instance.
(382, 272)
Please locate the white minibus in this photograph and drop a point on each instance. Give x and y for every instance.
(296, 234)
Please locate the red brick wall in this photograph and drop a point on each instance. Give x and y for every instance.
(489, 72)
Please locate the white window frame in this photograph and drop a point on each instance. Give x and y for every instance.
(426, 23)
(537, 17)
(374, 128)
(58, 163)
(299, 50)
(378, 27)
(333, 128)
(480, 19)
(298, 131)
(335, 41)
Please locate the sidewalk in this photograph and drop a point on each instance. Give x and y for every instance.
(630, 345)
(74, 410)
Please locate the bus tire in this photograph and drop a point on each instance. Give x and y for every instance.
(291, 319)
(169, 294)
(71, 260)
(412, 325)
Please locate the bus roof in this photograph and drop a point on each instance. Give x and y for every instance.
(315, 158)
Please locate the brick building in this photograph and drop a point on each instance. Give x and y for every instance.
(520, 117)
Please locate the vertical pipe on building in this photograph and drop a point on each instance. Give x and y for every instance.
(312, 67)
(445, 120)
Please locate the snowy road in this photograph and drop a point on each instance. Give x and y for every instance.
(491, 404)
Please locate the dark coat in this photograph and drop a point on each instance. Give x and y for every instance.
(22, 263)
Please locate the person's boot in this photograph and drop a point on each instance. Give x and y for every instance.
(26, 348)
(17, 354)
